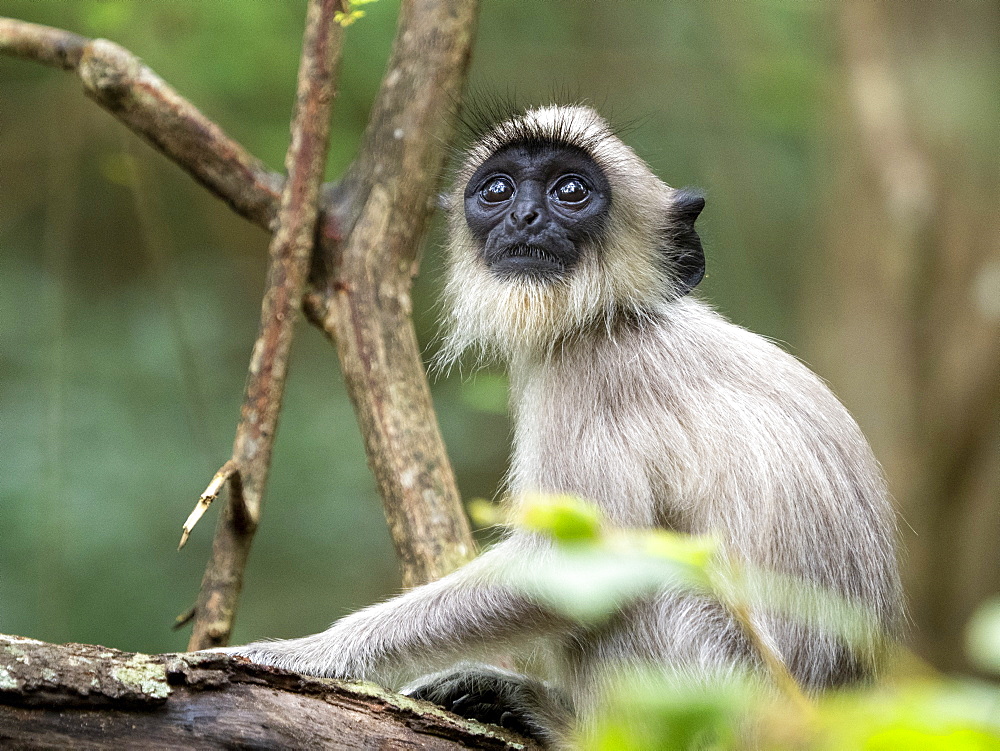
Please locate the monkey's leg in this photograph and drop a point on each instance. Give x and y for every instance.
(469, 613)
(500, 697)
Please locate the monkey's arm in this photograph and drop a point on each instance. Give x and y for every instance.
(470, 612)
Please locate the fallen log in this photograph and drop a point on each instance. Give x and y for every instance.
(90, 697)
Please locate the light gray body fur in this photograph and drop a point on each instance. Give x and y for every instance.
(663, 413)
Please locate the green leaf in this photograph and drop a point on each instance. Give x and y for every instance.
(911, 739)
(982, 636)
(590, 575)
(350, 14)
(564, 517)
(699, 551)
(588, 583)
(917, 714)
(484, 513)
(346, 19)
(654, 709)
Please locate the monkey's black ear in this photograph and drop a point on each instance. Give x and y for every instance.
(682, 242)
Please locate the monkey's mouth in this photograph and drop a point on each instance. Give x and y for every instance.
(530, 260)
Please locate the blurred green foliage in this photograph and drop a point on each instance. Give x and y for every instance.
(648, 711)
(983, 636)
(352, 14)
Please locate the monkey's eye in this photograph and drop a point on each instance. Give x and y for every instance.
(571, 189)
(497, 190)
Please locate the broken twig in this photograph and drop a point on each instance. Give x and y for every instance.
(211, 493)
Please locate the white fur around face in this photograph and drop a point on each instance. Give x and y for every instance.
(626, 274)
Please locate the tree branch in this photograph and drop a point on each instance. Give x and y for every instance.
(137, 701)
(364, 303)
(42, 44)
(118, 81)
(361, 278)
(290, 251)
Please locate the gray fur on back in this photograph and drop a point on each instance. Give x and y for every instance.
(691, 422)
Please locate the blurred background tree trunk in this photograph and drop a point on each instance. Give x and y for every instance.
(910, 282)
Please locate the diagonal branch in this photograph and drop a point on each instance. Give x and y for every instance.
(118, 81)
(384, 203)
(290, 251)
(43, 44)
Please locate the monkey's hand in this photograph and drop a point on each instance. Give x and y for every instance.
(499, 697)
(326, 654)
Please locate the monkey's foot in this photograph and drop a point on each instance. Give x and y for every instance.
(498, 697)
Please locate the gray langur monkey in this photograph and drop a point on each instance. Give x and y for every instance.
(571, 262)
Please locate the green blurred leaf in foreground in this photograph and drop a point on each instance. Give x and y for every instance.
(982, 636)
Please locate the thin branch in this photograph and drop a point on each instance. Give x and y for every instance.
(773, 663)
(118, 81)
(290, 252)
(220, 478)
(384, 203)
(183, 619)
(42, 44)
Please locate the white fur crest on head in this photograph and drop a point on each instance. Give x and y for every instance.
(501, 318)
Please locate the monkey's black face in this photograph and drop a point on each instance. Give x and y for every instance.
(535, 207)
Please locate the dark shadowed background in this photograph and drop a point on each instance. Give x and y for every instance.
(849, 156)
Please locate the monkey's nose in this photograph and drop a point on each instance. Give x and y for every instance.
(524, 216)
(529, 216)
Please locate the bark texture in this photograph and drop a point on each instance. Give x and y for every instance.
(365, 273)
(85, 697)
